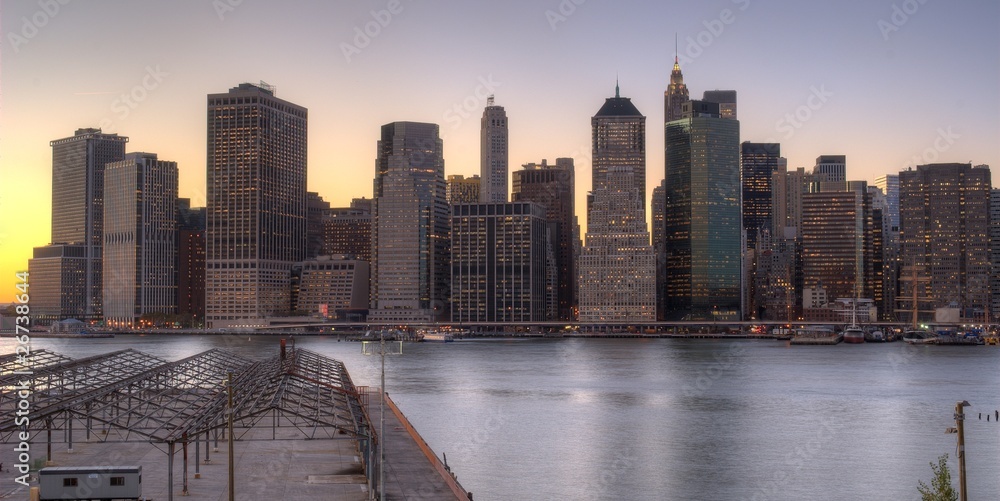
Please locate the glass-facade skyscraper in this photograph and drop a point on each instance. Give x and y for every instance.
(702, 216)
(256, 211)
(758, 163)
(410, 272)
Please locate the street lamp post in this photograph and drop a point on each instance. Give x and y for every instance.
(395, 348)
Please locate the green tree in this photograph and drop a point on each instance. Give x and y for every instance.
(940, 489)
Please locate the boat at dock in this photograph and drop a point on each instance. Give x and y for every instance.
(816, 336)
(435, 336)
(919, 336)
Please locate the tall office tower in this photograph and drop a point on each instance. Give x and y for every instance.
(190, 262)
(944, 218)
(553, 186)
(836, 250)
(994, 255)
(462, 190)
(889, 184)
(797, 183)
(656, 207)
(675, 95)
(619, 139)
(256, 223)
(410, 273)
(140, 238)
(726, 99)
(347, 231)
(316, 207)
(702, 215)
(830, 173)
(779, 198)
(498, 262)
(493, 154)
(617, 265)
(884, 300)
(78, 206)
(759, 162)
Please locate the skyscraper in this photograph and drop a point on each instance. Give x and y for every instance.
(726, 99)
(759, 162)
(493, 154)
(190, 261)
(656, 207)
(702, 215)
(675, 95)
(410, 273)
(78, 207)
(256, 214)
(553, 187)
(347, 231)
(498, 262)
(944, 217)
(995, 254)
(617, 265)
(836, 251)
(316, 207)
(140, 246)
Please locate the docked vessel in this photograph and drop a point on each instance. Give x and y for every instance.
(854, 334)
(436, 336)
(919, 336)
(816, 335)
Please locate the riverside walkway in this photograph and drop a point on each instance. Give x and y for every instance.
(301, 429)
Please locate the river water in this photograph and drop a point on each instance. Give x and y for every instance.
(666, 419)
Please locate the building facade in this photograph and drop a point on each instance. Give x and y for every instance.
(995, 254)
(553, 187)
(410, 273)
(835, 253)
(617, 264)
(726, 99)
(140, 239)
(498, 262)
(702, 228)
(331, 286)
(493, 153)
(256, 212)
(758, 164)
(59, 283)
(463, 190)
(78, 206)
(190, 262)
(347, 231)
(944, 226)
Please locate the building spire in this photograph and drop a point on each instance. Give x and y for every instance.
(675, 47)
(616, 87)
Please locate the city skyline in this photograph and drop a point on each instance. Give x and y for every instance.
(885, 62)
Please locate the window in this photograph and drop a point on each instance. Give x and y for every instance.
(117, 480)
(69, 482)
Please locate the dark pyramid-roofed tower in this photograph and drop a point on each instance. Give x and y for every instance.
(623, 129)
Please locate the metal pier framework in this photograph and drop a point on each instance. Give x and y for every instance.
(129, 396)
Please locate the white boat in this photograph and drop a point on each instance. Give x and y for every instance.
(436, 336)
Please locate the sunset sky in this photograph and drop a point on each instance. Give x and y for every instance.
(888, 83)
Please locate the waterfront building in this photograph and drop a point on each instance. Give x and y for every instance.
(410, 272)
(462, 190)
(140, 239)
(553, 186)
(836, 250)
(617, 265)
(995, 255)
(944, 226)
(493, 153)
(59, 284)
(702, 227)
(889, 186)
(656, 207)
(330, 286)
(190, 261)
(498, 262)
(256, 213)
(78, 211)
(726, 99)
